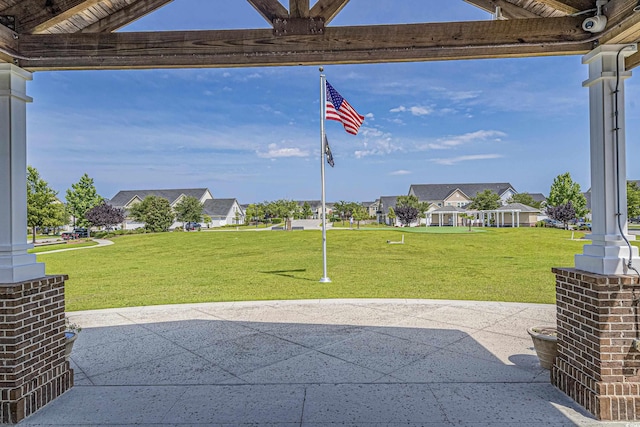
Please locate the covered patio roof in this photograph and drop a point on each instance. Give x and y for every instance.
(81, 34)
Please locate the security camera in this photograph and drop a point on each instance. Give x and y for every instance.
(595, 24)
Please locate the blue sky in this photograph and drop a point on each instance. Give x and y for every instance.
(254, 133)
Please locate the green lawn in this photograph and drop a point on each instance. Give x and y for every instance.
(149, 269)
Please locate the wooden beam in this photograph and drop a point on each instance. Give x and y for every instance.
(125, 16)
(298, 8)
(327, 9)
(34, 18)
(560, 6)
(270, 9)
(8, 44)
(623, 23)
(509, 10)
(337, 45)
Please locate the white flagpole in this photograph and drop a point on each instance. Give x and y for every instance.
(323, 102)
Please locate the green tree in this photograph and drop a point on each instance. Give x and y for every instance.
(392, 216)
(155, 212)
(525, 199)
(469, 219)
(43, 207)
(307, 212)
(423, 208)
(564, 190)
(207, 220)
(633, 199)
(189, 209)
(341, 208)
(255, 212)
(360, 213)
(411, 201)
(485, 201)
(81, 197)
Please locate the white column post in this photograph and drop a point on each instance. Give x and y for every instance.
(608, 253)
(16, 265)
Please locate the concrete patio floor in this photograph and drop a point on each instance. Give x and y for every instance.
(312, 363)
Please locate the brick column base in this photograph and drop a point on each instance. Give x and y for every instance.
(33, 369)
(598, 365)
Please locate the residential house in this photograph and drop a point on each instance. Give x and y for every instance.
(372, 207)
(459, 195)
(385, 203)
(224, 212)
(127, 198)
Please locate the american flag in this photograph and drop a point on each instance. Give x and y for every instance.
(340, 110)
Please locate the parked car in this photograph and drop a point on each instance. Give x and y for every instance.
(548, 222)
(69, 235)
(190, 226)
(82, 232)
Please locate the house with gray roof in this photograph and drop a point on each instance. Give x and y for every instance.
(384, 204)
(459, 195)
(125, 199)
(223, 212)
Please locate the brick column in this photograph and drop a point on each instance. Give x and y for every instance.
(33, 369)
(598, 365)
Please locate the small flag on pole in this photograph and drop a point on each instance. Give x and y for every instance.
(327, 151)
(340, 110)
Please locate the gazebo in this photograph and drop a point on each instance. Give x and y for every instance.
(596, 301)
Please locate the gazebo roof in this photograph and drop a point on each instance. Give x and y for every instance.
(81, 34)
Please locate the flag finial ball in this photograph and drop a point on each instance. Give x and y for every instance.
(321, 69)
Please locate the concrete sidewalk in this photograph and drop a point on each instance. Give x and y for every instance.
(312, 363)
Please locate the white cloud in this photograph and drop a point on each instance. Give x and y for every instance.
(454, 160)
(415, 110)
(467, 138)
(400, 172)
(274, 152)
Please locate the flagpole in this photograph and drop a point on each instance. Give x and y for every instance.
(323, 101)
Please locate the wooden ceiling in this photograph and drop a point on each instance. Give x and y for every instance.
(80, 34)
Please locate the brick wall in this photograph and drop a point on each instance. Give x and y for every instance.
(597, 365)
(33, 369)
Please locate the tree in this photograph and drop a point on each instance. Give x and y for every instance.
(341, 208)
(423, 208)
(392, 215)
(81, 197)
(189, 209)
(525, 199)
(43, 208)
(207, 220)
(407, 201)
(407, 214)
(563, 213)
(633, 199)
(469, 219)
(104, 215)
(564, 190)
(360, 213)
(255, 212)
(155, 212)
(487, 200)
(306, 211)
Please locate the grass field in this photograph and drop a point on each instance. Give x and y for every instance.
(165, 268)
